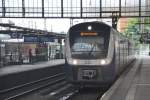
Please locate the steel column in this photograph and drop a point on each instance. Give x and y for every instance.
(62, 10)
(139, 8)
(3, 8)
(100, 8)
(81, 10)
(140, 27)
(42, 8)
(114, 22)
(23, 8)
(119, 8)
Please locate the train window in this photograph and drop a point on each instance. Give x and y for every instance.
(87, 43)
(88, 46)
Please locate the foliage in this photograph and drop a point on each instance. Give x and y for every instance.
(133, 28)
(147, 25)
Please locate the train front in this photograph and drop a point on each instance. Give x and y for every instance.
(87, 53)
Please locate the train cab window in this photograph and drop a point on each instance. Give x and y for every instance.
(89, 47)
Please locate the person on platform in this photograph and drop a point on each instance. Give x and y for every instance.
(30, 55)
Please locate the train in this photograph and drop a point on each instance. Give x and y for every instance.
(96, 54)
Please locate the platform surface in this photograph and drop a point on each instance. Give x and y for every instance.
(134, 84)
(21, 68)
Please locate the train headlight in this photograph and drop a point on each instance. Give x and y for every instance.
(75, 62)
(103, 62)
(89, 28)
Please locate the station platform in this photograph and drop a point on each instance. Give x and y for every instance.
(133, 84)
(21, 68)
(13, 76)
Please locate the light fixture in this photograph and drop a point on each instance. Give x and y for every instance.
(74, 62)
(89, 28)
(103, 62)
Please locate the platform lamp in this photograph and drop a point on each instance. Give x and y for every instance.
(3, 37)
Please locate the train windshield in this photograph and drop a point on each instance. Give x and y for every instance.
(88, 47)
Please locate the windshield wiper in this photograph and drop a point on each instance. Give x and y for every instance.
(90, 52)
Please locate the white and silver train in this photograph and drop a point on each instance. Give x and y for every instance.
(96, 54)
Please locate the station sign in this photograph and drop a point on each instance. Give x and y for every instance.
(30, 38)
(46, 39)
(35, 38)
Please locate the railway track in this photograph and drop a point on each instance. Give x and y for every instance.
(87, 94)
(59, 90)
(50, 88)
(25, 89)
(72, 93)
(69, 92)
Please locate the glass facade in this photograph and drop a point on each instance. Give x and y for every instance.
(72, 8)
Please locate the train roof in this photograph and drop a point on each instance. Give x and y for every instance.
(96, 24)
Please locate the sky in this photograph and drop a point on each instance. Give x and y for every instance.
(54, 25)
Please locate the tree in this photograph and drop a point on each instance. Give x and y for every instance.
(133, 28)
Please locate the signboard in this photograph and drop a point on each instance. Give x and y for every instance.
(30, 38)
(46, 39)
(35, 38)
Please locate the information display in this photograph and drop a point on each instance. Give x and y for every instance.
(88, 34)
